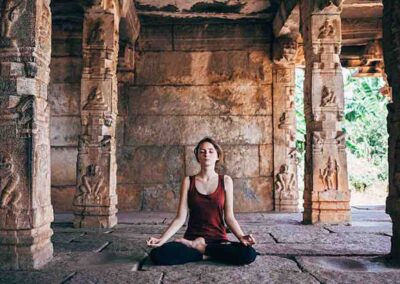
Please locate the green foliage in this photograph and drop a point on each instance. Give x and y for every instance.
(364, 125)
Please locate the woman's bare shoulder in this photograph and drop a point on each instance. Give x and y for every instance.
(228, 182)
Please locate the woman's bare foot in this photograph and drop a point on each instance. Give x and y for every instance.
(198, 244)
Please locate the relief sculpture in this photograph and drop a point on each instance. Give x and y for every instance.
(9, 195)
(285, 180)
(329, 175)
(9, 12)
(328, 97)
(92, 183)
(327, 30)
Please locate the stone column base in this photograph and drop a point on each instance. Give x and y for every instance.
(26, 249)
(393, 209)
(287, 205)
(95, 217)
(329, 207)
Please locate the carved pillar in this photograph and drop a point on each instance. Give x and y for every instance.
(95, 199)
(326, 193)
(25, 205)
(284, 116)
(391, 48)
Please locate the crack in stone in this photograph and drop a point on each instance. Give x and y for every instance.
(303, 269)
(275, 239)
(68, 277)
(161, 279)
(100, 249)
(329, 230)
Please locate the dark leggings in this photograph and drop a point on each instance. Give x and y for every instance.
(177, 253)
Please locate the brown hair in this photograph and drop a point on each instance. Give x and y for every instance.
(217, 147)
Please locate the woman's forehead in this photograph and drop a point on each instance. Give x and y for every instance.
(207, 145)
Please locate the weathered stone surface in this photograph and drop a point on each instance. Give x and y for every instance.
(161, 197)
(252, 194)
(253, 36)
(350, 269)
(64, 98)
(62, 47)
(167, 130)
(203, 68)
(225, 99)
(63, 166)
(364, 227)
(155, 38)
(65, 70)
(120, 131)
(129, 197)
(114, 274)
(62, 198)
(150, 164)
(266, 160)
(64, 130)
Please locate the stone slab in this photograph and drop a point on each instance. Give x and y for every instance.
(188, 130)
(62, 198)
(64, 130)
(252, 194)
(350, 269)
(129, 197)
(63, 166)
(224, 99)
(266, 160)
(150, 164)
(64, 98)
(65, 70)
(161, 197)
(363, 227)
(155, 38)
(144, 218)
(254, 36)
(203, 68)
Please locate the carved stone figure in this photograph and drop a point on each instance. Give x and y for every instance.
(92, 183)
(95, 101)
(328, 96)
(317, 140)
(96, 34)
(327, 29)
(283, 120)
(9, 179)
(329, 175)
(10, 11)
(287, 50)
(285, 180)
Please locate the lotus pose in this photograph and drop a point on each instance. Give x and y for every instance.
(208, 197)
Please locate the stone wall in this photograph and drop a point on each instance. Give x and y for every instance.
(64, 98)
(196, 79)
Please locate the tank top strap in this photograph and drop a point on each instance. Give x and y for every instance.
(222, 181)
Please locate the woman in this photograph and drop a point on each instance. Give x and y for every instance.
(209, 199)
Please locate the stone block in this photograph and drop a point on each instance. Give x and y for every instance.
(119, 131)
(64, 130)
(241, 161)
(150, 164)
(62, 198)
(192, 167)
(161, 197)
(64, 99)
(129, 197)
(188, 130)
(203, 68)
(266, 160)
(62, 47)
(253, 194)
(222, 36)
(65, 70)
(223, 99)
(155, 38)
(123, 100)
(63, 165)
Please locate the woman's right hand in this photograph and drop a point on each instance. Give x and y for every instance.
(154, 242)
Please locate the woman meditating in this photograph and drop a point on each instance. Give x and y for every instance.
(209, 199)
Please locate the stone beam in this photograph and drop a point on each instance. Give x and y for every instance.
(326, 192)
(25, 205)
(391, 47)
(95, 199)
(286, 193)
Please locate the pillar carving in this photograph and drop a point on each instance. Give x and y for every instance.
(25, 205)
(391, 48)
(284, 116)
(95, 198)
(326, 192)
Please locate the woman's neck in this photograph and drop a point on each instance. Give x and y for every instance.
(207, 172)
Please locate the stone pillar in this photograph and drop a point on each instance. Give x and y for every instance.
(25, 205)
(95, 199)
(286, 193)
(391, 48)
(326, 192)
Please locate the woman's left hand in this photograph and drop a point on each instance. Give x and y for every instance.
(248, 240)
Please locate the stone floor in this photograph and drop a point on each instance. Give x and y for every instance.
(289, 252)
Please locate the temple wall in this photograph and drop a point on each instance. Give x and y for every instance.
(191, 80)
(64, 98)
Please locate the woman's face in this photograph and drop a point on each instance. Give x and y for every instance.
(207, 155)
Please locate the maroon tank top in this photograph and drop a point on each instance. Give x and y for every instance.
(206, 213)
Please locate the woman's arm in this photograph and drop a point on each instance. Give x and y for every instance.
(230, 217)
(179, 219)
